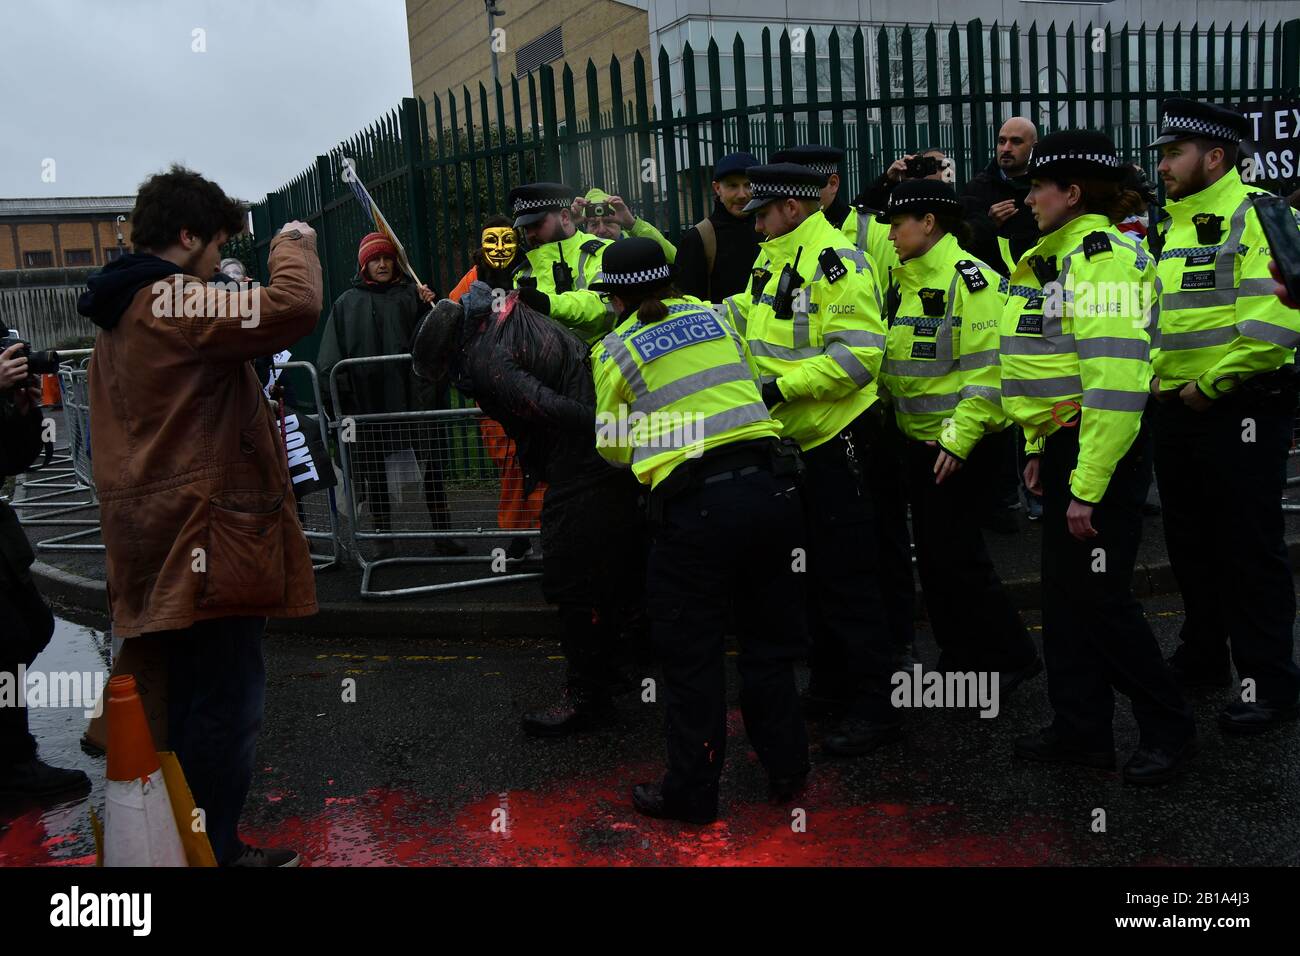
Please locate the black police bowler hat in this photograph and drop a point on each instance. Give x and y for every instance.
(1076, 152)
(783, 181)
(630, 264)
(824, 159)
(916, 197)
(531, 203)
(1184, 119)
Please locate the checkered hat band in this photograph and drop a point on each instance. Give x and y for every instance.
(826, 169)
(896, 205)
(1104, 159)
(796, 190)
(523, 205)
(635, 278)
(1185, 124)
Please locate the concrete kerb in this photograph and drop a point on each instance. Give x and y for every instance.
(495, 620)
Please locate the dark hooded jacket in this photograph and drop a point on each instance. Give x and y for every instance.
(733, 264)
(984, 190)
(369, 320)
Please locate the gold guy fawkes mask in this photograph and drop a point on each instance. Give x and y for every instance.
(499, 246)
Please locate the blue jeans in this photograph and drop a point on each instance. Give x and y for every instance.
(216, 695)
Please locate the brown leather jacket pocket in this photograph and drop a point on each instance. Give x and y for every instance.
(245, 559)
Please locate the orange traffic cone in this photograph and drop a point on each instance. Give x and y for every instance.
(139, 826)
(51, 395)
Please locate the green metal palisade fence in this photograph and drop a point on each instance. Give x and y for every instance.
(888, 91)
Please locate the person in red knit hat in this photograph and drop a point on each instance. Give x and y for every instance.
(379, 316)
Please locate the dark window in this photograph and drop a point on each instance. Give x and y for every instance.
(547, 48)
(78, 257)
(38, 260)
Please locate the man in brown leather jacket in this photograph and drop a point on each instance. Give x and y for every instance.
(202, 538)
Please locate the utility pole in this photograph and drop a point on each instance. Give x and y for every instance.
(493, 11)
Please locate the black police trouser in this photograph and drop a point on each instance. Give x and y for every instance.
(728, 545)
(851, 652)
(26, 626)
(1095, 637)
(974, 622)
(881, 449)
(1221, 499)
(593, 570)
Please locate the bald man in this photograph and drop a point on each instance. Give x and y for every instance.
(1002, 224)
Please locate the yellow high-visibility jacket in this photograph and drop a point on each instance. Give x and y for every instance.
(670, 390)
(941, 352)
(1076, 344)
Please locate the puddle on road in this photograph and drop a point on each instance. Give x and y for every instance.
(59, 834)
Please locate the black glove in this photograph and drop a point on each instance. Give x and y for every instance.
(536, 300)
(772, 395)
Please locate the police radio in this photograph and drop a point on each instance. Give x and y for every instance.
(783, 301)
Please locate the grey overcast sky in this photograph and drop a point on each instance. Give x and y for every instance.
(112, 90)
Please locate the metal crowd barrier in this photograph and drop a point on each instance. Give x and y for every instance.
(415, 478)
(70, 472)
(317, 511)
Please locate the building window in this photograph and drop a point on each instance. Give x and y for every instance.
(112, 255)
(78, 257)
(38, 260)
(547, 48)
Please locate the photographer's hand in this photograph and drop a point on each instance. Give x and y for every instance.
(13, 367)
(28, 398)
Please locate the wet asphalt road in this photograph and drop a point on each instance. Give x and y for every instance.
(419, 769)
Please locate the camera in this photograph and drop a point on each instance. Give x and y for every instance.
(918, 167)
(38, 363)
(598, 210)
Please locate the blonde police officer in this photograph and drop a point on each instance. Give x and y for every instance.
(678, 401)
(1075, 362)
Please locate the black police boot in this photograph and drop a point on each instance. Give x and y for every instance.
(36, 779)
(1240, 717)
(255, 857)
(584, 709)
(1155, 765)
(857, 736)
(781, 790)
(648, 798)
(1191, 672)
(1048, 747)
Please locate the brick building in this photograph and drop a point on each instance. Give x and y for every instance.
(58, 241)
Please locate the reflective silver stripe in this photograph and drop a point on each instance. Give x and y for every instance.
(860, 240)
(1198, 339)
(799, 329)
(1200, 298)
(1225, 261)
(988, 392)
(626, 364)
(981, 359)
(943, 335)
(665, 395)
(911, 368)
(737, 316)
(1033, 345)
(1113, 347)
(857, 338)
(1041, 387)
(1256, 287)
(850, 363)
(581, 282)
(1114, 400)
(923, 404)
(732, 334)
(710, 427)
(769, 350)
(1268, 332)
